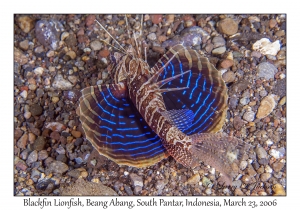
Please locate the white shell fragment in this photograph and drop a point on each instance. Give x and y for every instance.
(60, 83)
(266, 47)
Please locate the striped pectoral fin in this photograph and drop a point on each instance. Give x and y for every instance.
(116, 129)
(220, 151)
(206, 92)
(181, 118)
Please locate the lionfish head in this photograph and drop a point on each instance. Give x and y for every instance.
(130, 65)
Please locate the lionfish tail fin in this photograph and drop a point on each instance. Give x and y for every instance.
(220, 151)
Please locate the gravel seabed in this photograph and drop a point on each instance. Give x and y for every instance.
(50, 151)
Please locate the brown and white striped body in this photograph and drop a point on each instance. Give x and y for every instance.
(136, 74)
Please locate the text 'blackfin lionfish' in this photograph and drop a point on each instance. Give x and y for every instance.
(174, 108)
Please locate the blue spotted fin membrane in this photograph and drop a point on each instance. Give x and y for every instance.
(206, 95)
(115, 127)
(181, 118)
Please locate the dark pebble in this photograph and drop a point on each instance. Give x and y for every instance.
(65, 134)
(39, 143)
(18, 133)
(280, 87)
(128, 190)
(55, 135)
(36, 109)
(78, 142)
(43, 184)
(46, 132)
(118, 185)
(74, 173)
(263, 161)
(62, 158)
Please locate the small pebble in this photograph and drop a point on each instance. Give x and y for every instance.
(228, 26)
(272, 23)
(277, 153)
(39, 143)
(128, 190)
(160, 184)
(261, 152)
(266, 70)
(104, 53)
(32, 87)
(57, 167)
(229, 76)
(136, 180)
(244, 100)
(26, 23)
(152, 36)
(218, 41)
(73, 79)
(24, 94)
(282, 101)
(96, 45)
(24, 45)
(278, 190)
(265, 177)
(104, 75)
(50, 53)
(268, 169)
(156, 19)
(208, 191)
(219, 50)
(64, 35)
(38, 70)
(20, 57)
(22, 142)
(194, 179)
(32, 157)
(36, 109)
(71, 54)
(266, 106)
(249, 116)
(55, 99)
(90, 19)
(76, 134)
(42, 155)
(226, 64)
(60, 83)
(243, 165)
(27, 115)
(48, 32)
